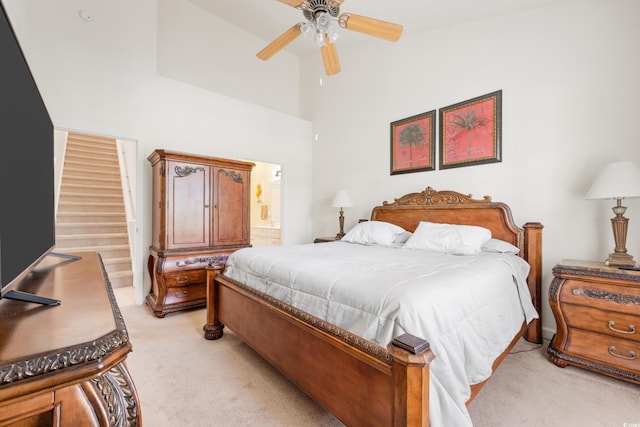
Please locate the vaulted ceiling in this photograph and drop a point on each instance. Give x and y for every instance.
(268, 19)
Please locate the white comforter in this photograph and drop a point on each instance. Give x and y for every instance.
(467, 307)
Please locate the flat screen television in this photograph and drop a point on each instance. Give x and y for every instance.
(27, 204)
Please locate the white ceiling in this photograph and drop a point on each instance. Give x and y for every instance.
(268, 19)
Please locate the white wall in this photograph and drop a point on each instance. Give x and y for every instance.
(101, 78)
(199, 48)
(569, 75)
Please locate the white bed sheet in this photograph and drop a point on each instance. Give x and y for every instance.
(469, 308)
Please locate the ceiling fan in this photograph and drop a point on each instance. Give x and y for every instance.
(323, 23)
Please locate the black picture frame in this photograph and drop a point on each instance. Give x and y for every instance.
(413, 143)
(471, 132)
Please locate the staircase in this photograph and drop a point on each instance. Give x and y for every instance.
(91, 214)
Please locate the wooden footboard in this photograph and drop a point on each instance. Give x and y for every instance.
(352, 378)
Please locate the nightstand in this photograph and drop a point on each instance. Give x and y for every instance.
(325, 239)
(597, 313)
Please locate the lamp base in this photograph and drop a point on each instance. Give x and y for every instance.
(620, 260)
(341, 222)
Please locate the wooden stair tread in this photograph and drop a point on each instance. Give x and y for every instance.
(87, 235)
(90, 224)
(93, 248)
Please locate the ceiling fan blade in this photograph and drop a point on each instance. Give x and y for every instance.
(371, 27)
(292, 3)
(278, 44)
(330, 58)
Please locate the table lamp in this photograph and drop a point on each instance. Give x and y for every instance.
(341, 200)
(618, 180)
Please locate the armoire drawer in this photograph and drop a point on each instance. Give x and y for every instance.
(183, 294)
(185, 277)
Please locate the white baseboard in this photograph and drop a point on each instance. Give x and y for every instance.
(548, 333)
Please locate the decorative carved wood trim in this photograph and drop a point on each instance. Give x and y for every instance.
(218, 260)
(554, 288)
(234, 176)
(187, 170)
(115, 388)
(429, 196)
(611, 274)
(607, 296)
(558, 355)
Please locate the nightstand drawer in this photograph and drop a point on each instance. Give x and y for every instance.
(615, 352)
(624, 299)
(185, 277)
(611, 323)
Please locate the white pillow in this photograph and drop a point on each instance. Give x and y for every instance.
(449, 238)
(402, 237)
(500, 246)
(373, 233)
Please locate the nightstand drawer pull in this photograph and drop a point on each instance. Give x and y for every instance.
(632, 354)
(182, 280)
(632, 329)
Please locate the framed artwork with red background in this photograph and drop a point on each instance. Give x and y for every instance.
(471, 132)
(413, 144)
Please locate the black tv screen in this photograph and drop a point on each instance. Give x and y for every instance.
(27, 205)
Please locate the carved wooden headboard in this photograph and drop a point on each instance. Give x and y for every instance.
(451, 207)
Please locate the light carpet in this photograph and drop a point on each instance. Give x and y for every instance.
(184, 380)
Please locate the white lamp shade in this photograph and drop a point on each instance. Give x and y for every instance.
(616, 180)
(342, 200)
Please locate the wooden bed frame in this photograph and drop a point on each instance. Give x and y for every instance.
(356, 380)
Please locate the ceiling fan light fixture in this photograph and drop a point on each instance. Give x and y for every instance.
(307, 29)
(334, 31)
(323, 21)
(322, 26)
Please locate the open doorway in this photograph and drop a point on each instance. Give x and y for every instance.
(266, 204)
(95, 189)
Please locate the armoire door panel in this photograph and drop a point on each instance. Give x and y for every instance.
(188, 205)
(230, 225)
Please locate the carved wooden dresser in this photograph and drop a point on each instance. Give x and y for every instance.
(597, 312)
(65, 365)
(200, 215)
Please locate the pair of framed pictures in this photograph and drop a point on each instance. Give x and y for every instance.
(470, 134)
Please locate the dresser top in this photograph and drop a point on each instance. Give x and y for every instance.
(596, 269)
(84, 330)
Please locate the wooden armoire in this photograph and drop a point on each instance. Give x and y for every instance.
(200, 216)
